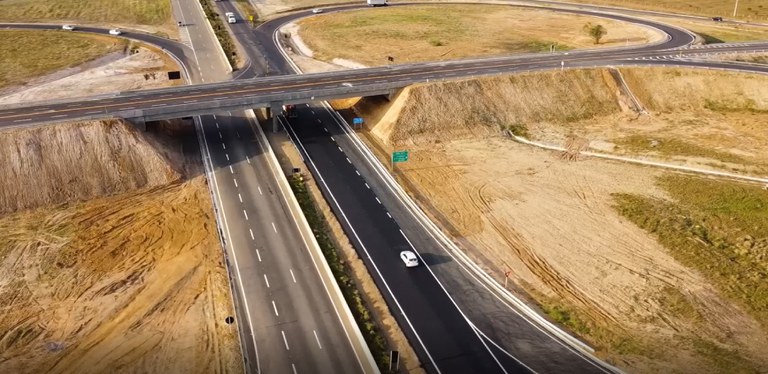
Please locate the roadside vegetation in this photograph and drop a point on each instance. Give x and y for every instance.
(221, 31)
(450, 31)
(19, 63)
(672, 147)
(362, 314)
(719, 228)
(145, 12)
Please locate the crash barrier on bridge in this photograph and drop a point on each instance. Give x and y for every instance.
(363, 353)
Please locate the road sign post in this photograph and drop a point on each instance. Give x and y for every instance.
(398, 156)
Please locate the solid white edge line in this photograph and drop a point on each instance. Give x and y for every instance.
(215, 185)
(362, 246)
(574, 345)
(290, 200)
(455, 305)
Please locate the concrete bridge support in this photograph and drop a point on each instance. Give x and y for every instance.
(139, 123)
(273, 111)
(393, 92)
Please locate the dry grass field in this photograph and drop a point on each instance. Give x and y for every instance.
(19, 62)
(756, 10)
(144, 12)
(659, 272)
(440, 32)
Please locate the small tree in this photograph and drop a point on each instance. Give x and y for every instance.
(596, 32)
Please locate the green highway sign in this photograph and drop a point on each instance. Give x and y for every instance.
(400, 156)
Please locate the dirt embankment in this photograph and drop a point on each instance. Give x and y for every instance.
(118, 267)
(77, 162)
(552, 221)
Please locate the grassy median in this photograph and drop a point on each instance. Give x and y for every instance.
(19, 62)
(363, 317)
(221, 31)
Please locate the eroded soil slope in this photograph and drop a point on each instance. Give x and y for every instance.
(73, 162)
(552, 220)
(119, 269)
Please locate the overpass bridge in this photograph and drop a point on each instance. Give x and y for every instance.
(270, 92)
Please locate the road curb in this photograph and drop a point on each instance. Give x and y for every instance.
(364, 356)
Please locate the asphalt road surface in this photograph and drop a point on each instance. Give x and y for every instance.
(458, 324)
(294, 326)
(286, 319)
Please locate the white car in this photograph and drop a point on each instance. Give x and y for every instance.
(409, 258)
(68, 27)
(115, 32)
(317, 10)
(231, 19)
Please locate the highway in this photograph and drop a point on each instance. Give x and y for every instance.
(456, 323)
(288, 321)
(293, 324)
(241, 94)
(453, 320)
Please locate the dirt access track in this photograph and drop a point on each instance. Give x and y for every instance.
(553, 220)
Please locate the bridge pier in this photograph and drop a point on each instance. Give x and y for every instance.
(273, 111)
(139, 123)
(393, 92)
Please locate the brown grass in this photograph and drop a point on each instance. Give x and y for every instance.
(502, 102)
(47, 164)
(697, 89)
(144, 12)
(438, 32)
(748, 9)
(28, 54)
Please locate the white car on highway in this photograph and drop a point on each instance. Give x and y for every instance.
(115, 32)
(317, 10)
(68, 27)
(409, 258)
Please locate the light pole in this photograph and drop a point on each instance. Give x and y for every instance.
(735, 7)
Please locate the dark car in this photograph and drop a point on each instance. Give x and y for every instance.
(717, 19)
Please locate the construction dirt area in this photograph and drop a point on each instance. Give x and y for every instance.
(658, 271)
(109, 254)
